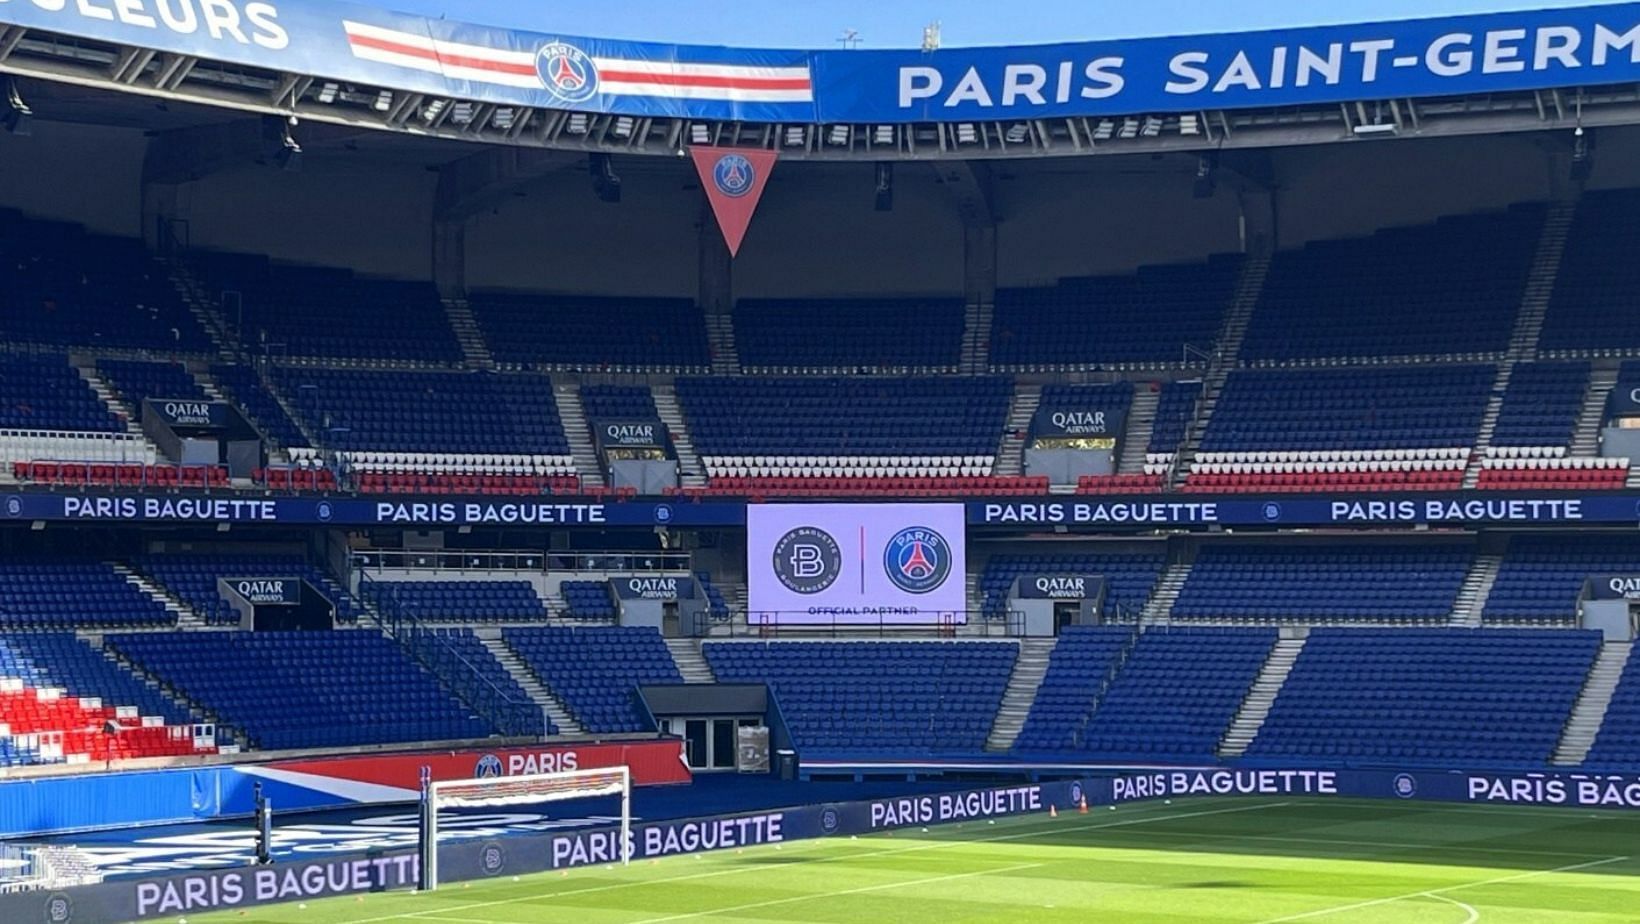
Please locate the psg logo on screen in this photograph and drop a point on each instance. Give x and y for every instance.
(734, 175)
(567, 72)
(917, 560)
(807, 560)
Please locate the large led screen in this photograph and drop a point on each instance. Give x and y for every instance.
(856, 563)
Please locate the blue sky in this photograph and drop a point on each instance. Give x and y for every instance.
(899, 23)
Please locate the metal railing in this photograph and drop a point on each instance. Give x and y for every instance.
(803, 624)
(510, 716)
(581, 562)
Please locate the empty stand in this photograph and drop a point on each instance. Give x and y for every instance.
(1113, 320)
(881, 335)
(587, 600)
(846, 427)
(1448, 697)
(596, 670)
(193, 580)
(447, 426)
(1534, 430)
(1082, 661)
(1129, 576)
(1311, 582)
(1451, 288)
(1359, 428)
(466, 666)
(1542, 576)
(591, 333)
(284, 310)
(61, 286)
(264, 410)
(1176, 693)
(866, 698)
(1591, 310)
(458, 601)
(66, 594)
(306, 689)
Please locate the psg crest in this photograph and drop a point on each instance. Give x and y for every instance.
(567, 72)
(734, 175)
(917, 560)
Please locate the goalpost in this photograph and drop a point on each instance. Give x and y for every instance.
(518, 790)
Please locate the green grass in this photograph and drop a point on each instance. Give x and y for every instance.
(1217, 860)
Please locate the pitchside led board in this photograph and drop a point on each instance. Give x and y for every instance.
(856, 563)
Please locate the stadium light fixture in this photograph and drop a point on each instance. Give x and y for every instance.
(883, 135)
(1104, 130)
(578, 123)
(1189, 124)
(1151, 127)
(1377, 128)
(967, 133)
(796, 136)
(1017, 133)
(504, 118)
(17, 115)
(1130, 128)
(624, 126)
(700, 133)
(837, 135)
(384, 101)
(462, 113)
(433, 110)
(327, 93)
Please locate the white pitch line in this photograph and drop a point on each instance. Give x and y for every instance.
(881, 887)
(1337, 842)
(1036, 831)
(1437, 893)
(1473, 914)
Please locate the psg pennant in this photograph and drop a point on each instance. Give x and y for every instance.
(733, 179)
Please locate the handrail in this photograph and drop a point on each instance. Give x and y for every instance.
(497, 705)
(479, 560)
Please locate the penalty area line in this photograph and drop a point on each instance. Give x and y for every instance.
(1440, 893)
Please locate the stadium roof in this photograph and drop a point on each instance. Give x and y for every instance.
(361, 65)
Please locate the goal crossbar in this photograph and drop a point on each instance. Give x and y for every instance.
(528, 789)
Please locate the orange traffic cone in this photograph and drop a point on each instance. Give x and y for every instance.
(1082, 809)
(1053, 811)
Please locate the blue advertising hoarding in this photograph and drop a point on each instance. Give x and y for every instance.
(356, 42)
(1088, 513)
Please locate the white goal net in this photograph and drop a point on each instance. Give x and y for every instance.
(520, 790)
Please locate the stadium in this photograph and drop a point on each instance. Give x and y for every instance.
(454, 472)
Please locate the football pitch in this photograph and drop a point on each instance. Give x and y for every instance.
(1215, 860)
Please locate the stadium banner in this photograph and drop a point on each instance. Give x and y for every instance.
(1614, 587)
(1062, 587)
(1624, 400)
(631, 434)
(414, 511)
(265, 591)
(1455, 508)
(1078, 423)
(1573, 790)
(734, 179)
(186, 414)
(96, 801)
(653, 588)
(1525, 50)
(370, 45)
(901, 564)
